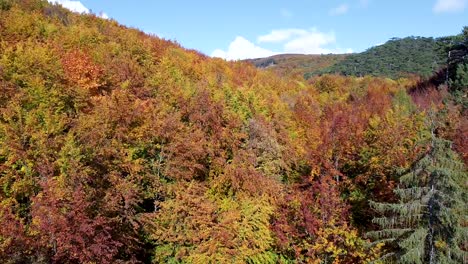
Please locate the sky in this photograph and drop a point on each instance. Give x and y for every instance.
(240, 29)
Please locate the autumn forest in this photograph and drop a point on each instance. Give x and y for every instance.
(121, 147)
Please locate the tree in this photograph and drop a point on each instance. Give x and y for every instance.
(311, 224)
(459, 85)
(395, 59)
(425, 225)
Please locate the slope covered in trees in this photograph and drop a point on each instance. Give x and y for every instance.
(426, 224)
(119, 147)
(297, 64)
(397, 58)
(411, 56)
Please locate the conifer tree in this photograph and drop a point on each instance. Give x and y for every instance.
(426, 224)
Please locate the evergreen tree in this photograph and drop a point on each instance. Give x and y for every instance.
(425, 226)
(458, 69)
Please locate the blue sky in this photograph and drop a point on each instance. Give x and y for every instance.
(257, 28)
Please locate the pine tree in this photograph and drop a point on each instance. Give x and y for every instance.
(426, 224)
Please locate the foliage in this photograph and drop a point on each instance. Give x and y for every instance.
(297, 65)
(396, 58)
(5, 4)
(312, 226)
(426, 226)
(119, 147)
(457, 70)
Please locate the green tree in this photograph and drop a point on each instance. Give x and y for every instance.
(461, 77)
(458, 72)
(425, 225)
(459, 85)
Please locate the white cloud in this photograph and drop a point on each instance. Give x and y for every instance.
(281, 35)
(241, 49)
(76, 6)
(103, 15)
(297, 40)
(293, 40)
(449, 6)
(339, 10)
(310, 44)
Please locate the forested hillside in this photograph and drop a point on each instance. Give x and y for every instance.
(405, 57)
(294, 65)
(397, 58)
(119, 147)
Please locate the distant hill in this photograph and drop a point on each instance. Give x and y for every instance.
(396, 58)
(297, 64)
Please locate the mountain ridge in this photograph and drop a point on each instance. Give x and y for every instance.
(398, 57)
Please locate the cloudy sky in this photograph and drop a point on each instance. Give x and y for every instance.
(257, 28)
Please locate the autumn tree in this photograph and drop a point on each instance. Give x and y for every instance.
(312, 224)
(120, 147)
(425, 225)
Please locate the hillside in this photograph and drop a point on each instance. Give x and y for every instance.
(396, 58)
(297, 64)
(120, 147)
(411, 56)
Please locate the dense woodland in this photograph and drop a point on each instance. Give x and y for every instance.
(298, 65)
(397, 58)
(120, 147)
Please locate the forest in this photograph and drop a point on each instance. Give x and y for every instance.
(397, 58)
(121, 147)
(298, 65)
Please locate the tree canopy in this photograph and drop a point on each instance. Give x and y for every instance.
(121, 147)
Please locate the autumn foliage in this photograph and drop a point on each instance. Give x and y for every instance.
(119, 147)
